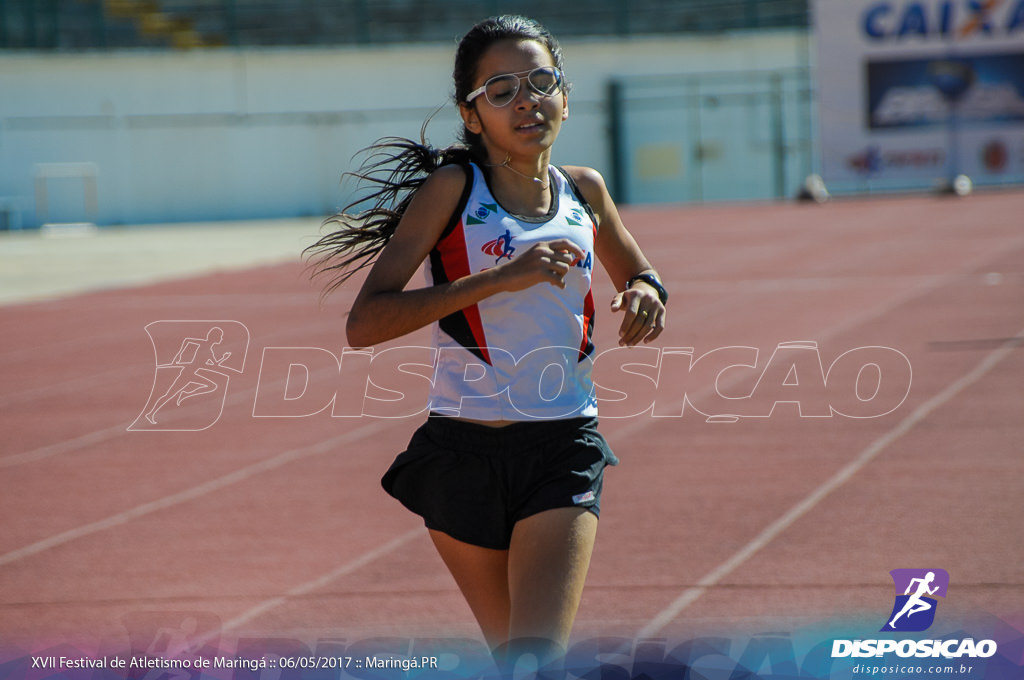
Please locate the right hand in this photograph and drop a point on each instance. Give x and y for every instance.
(547, 261)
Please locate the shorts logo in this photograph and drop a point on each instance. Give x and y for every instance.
(916, 589)
(501, 247)
(586, 497)
(194, 362)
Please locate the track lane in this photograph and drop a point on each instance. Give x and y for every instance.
(733, 300)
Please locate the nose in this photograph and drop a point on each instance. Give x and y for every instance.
(526, 98)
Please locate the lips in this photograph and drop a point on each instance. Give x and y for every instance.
(530, 125)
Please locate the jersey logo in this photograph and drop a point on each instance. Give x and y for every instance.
(501, 247)
(482, 212)
(575, 217)
(584, 263)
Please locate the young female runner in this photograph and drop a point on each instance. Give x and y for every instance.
(507, 471)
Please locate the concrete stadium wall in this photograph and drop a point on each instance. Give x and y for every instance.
(142, 137)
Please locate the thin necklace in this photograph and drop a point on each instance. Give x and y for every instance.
(504, 164)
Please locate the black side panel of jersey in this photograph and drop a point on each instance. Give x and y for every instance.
(456, 325)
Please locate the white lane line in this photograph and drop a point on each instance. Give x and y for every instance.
(322, 581)
(63, 446)
(88, 439)
(195, 492)
(929, 285)
(106, 433)
(78, 385)
(769, 533)
(848, 323)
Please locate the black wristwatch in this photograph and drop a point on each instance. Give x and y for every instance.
(653, 282)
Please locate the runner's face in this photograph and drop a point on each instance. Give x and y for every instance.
(528, 126)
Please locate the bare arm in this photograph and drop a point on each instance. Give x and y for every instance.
(622, 259)
(384, 310)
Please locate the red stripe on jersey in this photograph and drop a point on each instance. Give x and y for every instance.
(455, 261)
(587, 344)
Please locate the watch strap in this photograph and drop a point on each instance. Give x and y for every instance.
(653, 282)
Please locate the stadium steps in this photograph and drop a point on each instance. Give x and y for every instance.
(153, 22)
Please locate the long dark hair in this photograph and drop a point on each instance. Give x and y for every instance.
(394, 167)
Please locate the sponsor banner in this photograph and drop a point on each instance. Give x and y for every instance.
(914, 91)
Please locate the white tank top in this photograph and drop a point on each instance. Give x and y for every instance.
(522, 355)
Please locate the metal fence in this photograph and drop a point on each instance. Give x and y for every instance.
(711, 137)
(119, 24)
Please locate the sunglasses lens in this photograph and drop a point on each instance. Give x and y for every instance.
(545, 81)
(502, 89)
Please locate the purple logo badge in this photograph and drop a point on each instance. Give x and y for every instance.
(916, 590)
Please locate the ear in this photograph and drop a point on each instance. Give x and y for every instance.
(470, 118)
(565, 107)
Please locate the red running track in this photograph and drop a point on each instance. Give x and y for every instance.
(277, 527)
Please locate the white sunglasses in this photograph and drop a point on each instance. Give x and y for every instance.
(501, 90)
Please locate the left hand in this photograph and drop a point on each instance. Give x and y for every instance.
(644, 318)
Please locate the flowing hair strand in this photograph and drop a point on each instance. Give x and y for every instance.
(393, 169)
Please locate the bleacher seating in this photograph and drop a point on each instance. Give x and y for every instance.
(115, 24)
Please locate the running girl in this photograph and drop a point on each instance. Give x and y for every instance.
(508, 480)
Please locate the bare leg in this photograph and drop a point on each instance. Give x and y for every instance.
(530, 592)
(548, 561)
(482, 576)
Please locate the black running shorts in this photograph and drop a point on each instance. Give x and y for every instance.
(475, 482)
